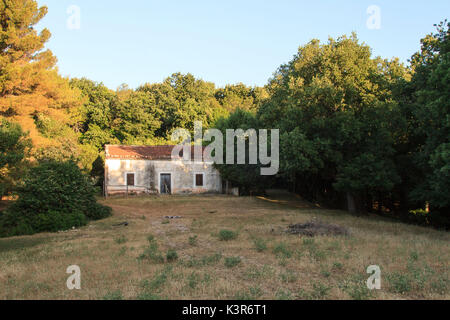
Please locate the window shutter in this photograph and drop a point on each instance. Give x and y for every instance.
(130, 179)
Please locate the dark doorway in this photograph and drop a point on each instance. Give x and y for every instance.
(130, 179)
(199, 180)
(165, 186)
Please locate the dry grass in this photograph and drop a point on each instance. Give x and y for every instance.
(263, 262)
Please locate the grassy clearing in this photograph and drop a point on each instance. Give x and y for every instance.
(226, 248)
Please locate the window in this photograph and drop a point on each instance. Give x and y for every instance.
(199, 180)
(130, 179)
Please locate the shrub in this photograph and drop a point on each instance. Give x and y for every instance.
(282, 250)
(231, 262)
(227, 235)
(151, 252)
(288, 277)
(337, 265)
(399, 283)
(116, 295)
(193, 240)
(253, 293)
(193, 280)
(52, 221)
(320, 290)
(120, 240)
(53, 196)
(98, 212)
(359, 291)
(211, 260)
(260, 245)
(148, 296)
(171, 255)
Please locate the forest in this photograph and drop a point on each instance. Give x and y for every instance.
(357, 132)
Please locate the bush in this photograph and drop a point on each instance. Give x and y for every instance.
(260, 245)
(226, 235)
(53, 196)
(171, 255)
(282, 250)
(151, 252)
(121, 239)
(193, 240)
(399, 283)
(98, 212)
(231, 262)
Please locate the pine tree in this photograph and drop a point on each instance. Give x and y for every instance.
(29, 80)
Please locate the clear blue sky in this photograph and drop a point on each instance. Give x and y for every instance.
(138, 41)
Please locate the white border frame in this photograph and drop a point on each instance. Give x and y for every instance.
(195, 180)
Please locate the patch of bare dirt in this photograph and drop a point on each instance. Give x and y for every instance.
(317, 228)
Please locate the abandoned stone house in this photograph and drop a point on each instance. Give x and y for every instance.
(151, 169)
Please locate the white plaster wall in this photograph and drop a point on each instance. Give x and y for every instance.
(148, 172)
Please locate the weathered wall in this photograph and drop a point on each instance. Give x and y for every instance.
(147, 175)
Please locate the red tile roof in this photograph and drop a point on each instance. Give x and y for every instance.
(140, 152)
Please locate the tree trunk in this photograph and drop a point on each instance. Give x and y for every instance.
(351, 203)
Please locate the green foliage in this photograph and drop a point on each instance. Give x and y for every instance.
(333, 105)
(227, 235)
(337, 266)
(14, 145)
(239, 96)
(150, 288)
(50, 128)
(359, 291)
(320, 290)
(426, 105)
(193, 240)
(193, 280)
(54, 196)
(245, 176)
(115, 295)
(399, 283)
(260, 244)
(211, 260)
(152, 252)
(231, 262)
(253, 293)
(171, 255)
(282, 250)
(288, 277)
(121, 239)
(181, 100)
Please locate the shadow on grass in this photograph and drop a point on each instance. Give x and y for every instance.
(8, 244)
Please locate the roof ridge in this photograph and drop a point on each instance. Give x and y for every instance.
(141, 151)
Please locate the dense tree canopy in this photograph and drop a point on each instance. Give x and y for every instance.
(334, 106)
(427, 106)
(245, 176)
